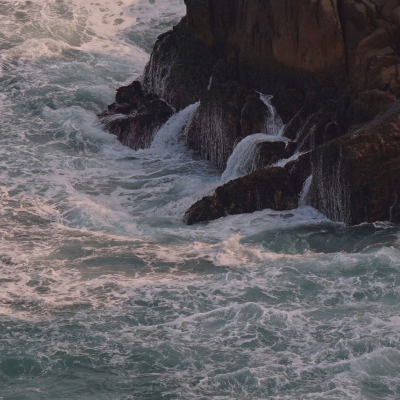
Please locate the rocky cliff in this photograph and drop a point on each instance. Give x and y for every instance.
(333, 68)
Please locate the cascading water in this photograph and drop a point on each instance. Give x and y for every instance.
(294, 157)
(274, 124)
(168, 135)
(243, 160)
(305, 192)
(105, 294)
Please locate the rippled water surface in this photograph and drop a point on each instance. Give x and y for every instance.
(106, 294)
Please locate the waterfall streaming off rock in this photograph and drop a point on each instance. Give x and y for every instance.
(105, 294)
(305, 192)
(333, 190)
(273, 124)
(168, 134)
(244, 158)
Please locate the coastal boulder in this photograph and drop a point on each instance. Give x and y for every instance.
(268, 188)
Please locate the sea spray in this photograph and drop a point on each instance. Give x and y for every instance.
(244, 158)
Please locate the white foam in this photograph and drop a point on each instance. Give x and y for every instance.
(244, 158)
(234, 254)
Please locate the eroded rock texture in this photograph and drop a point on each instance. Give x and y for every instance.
(333, 67)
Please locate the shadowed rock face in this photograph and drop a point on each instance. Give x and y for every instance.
(359, 38)
(272, 33)
(333, 67)
(179, 68)
(216, 126)
(356, 178)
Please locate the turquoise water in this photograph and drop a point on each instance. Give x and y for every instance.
(106, 294)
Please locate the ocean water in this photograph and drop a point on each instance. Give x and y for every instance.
(106, 294)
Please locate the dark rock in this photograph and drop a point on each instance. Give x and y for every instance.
(228, 112)
(268, 188)
(137, 130)
(356, 178)
(253, 116)
(333, 67)
(128, 99)
(135, 116)
(370, 103)
(277, 188)
(179, 68)
(215, 127)
(299, 170)
(272, 34)
(317, 124)
(131, 94)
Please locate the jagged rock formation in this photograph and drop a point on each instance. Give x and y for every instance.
(136, 116)
(333, 67)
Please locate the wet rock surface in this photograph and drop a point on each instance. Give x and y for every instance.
(135, 117)
(333, 67)
(278, 188)
(356, 178)
(270, 153)
(267, 188)
(216, 126)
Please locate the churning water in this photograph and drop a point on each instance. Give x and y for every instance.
(106, 294)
